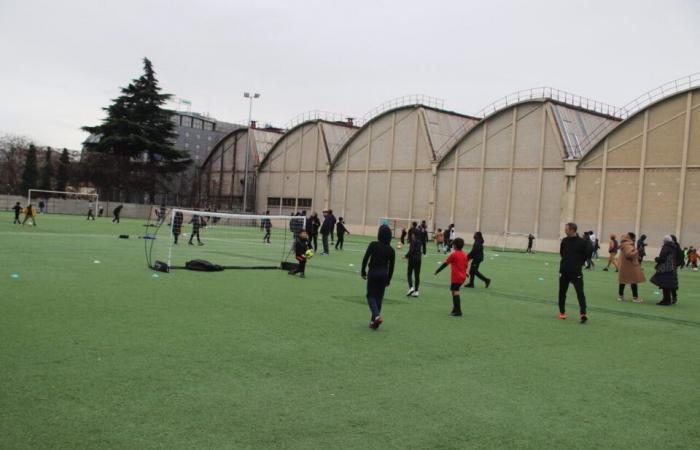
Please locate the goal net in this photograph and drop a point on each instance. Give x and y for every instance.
(232, 241)
(60, 202)
(398, 224)
(513, 242)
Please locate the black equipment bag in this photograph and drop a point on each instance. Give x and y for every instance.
(203, 266)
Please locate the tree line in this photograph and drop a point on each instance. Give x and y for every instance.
(131, 150)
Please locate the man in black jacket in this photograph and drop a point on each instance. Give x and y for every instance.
(574, 251)
(326, 228)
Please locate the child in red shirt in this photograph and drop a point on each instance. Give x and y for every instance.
(459, 262)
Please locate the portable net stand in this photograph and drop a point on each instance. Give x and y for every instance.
(61, 202)
(232, 241)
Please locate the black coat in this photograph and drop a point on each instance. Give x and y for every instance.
(327, 226)
(574, 252)
(666, 276)
(477, 252)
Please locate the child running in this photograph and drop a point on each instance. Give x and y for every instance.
(414, 256)
(459, 262)
(380, 257)
(341, 231)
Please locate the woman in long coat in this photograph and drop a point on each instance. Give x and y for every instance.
(666, 277)
(630, 269)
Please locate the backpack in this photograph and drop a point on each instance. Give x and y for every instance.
(202, 266)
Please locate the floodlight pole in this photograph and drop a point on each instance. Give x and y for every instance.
(247, 147)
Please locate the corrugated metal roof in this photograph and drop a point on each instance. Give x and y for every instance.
(575, 126)
(335, 136)
(442, 125)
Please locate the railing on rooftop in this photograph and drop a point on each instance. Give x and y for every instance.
(523, 96)
(639, 103)
(398, 102)
(318, 115)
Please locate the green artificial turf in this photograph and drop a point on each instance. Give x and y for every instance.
(108, 356)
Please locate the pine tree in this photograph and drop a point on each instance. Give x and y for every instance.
(135, 148)
(45, 181)
(63, 171)
(29, 176)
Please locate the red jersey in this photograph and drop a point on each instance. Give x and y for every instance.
(458, 261)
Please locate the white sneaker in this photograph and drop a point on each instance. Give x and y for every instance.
(410, 291)
(415, 294)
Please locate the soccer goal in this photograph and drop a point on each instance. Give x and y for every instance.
(397, 224)
(232, 241)
(513, 242)
(61, 202)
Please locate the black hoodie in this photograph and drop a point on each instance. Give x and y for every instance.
(379, 254)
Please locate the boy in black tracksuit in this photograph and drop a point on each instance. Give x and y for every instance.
(341, 231)
(301, 245)
(17, 209)
(414, 257)
(380, 257)
(574, 251)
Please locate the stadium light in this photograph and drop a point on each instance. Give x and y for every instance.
(247, 147)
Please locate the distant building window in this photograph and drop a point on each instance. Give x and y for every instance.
(304, 202)
(208, 126)
(289, 202)
(273, 201)
(186, 121)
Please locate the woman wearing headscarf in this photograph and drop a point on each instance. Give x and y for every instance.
(630, 268)
(666, 277)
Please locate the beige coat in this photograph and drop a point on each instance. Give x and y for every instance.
(630, 270)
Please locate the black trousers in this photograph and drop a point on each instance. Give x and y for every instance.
(301, 268)
(376, 284)
(339, 241)
(621, 290)
(577, 280)
(413, 270)
(474, 272)
(324, 240)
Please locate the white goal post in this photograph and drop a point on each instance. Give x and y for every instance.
(397, 224)
(232, 241)
(36, 194)
(514, 242)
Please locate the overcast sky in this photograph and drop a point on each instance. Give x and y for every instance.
(62, 61)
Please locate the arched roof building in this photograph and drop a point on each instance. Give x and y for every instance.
(221, 176)
(506, 176)
(644, 175)
(293, 176)
(386, 168)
